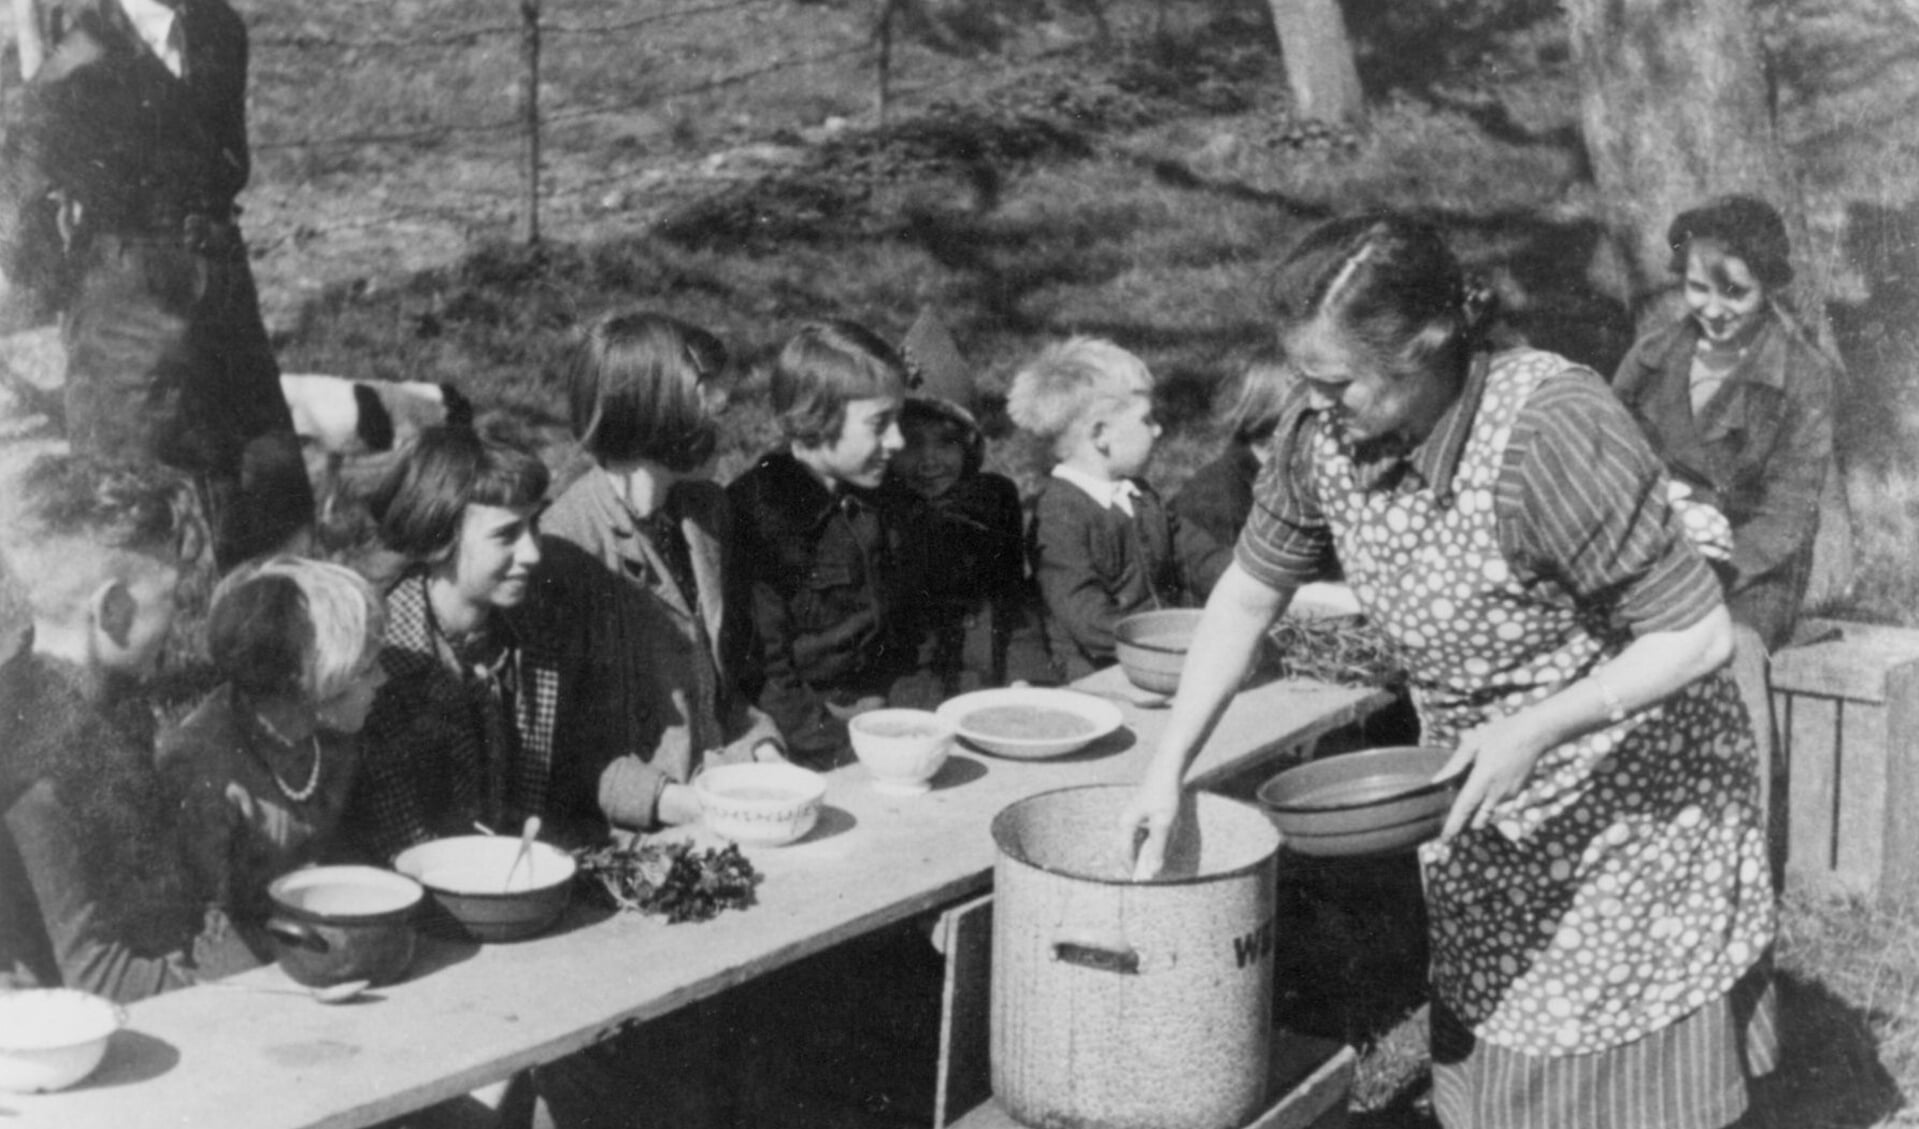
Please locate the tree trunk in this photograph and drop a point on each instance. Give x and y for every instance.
(1676, 109)
(29, 36)
(1319, 59)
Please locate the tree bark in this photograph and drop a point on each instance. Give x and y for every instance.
(1320, 70)
(29, 36)
(1676, 108)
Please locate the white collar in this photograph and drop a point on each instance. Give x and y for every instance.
(1111, 493)
(154, 22)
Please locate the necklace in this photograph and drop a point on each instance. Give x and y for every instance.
(305, 792)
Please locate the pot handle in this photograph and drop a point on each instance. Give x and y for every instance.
(297, 935)
(1106, 952)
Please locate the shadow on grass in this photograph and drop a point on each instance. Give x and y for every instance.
(1830, 1075)
(1354, 966)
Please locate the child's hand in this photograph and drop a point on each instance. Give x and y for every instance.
(679, 805)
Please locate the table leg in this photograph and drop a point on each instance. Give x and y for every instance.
(964, 934)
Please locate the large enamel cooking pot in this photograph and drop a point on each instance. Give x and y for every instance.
(1124, 1005)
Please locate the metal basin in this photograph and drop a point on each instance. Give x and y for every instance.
(1365, 803)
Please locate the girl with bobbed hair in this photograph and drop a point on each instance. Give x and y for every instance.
(639, 555)
(1599, 898)
(464, 729)
(268, 759)
(1736, 398)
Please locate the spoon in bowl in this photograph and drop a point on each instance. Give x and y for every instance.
(525, 853)
(329, 994)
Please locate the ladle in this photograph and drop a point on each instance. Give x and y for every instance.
(327, 994)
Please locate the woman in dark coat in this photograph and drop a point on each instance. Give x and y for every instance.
(1737, 401)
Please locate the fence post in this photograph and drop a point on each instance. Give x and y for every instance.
(883, 32)
(530, 116)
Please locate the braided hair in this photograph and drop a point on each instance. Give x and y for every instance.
(1390, 287)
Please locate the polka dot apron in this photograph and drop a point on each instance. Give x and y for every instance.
(1626, 883)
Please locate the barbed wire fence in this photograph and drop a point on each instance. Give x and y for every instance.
(292, 61)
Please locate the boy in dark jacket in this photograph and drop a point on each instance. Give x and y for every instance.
(1105, 546)
(812, 546)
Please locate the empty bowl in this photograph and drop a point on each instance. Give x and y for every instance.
(467, 876)
(1030, 722)
(331, 924)
(1365, 803)
(903, 749)
(51, 1038)
(763, 804)
(1152, 647)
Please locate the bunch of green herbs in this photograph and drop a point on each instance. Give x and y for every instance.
(671, 878)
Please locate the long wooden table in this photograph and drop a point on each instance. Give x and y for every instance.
(466, 1016)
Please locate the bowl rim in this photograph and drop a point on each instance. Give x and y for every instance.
(814, 783)
(572, 868)
(1119, 630)
(114, 1015)
(346, 870)
(1431, 787)
(933, 716)
(1105, 716)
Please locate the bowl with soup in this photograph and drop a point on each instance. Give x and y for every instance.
(332, 924)
(1030, 722)
(762, 804)
(902, 749)
(483, 893)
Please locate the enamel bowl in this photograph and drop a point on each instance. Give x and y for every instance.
(1030, 722)
(1366, 803)
(902, 749)
(51, 1038)
(331, 924)
(474, 882)
(762, 804)
(1152, 647)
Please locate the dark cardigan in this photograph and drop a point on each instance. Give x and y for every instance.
(1760, 452)
(98, 890)
(1096, 566)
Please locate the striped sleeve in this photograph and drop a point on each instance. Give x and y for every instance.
(1582, 502)
(1286, 542)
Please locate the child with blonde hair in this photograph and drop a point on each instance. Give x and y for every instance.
(1218, 498)
(267, 761)
(1104, 544)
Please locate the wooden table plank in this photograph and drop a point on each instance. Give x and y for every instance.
(468, 1015)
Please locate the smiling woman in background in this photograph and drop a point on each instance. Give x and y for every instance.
(1737, 400)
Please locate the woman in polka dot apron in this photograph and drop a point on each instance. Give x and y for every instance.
(1600, 902)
